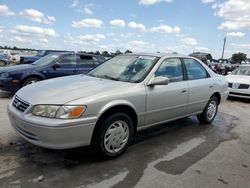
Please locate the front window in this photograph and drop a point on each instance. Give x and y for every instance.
(45, 60)
(172, 69)
(125, 68)
(245, 71)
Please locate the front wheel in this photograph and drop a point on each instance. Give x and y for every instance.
(30, 80)
(113, 136)
(209, 112)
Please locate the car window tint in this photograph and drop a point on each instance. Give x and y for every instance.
(172, 69)
(86, 60)
(194, 69)
(68, 59)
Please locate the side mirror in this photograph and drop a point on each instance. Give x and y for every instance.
(56, 65)
(159, 80)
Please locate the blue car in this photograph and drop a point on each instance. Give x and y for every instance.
(12, 78)
(40, 54)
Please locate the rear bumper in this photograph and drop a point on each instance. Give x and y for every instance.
(52, 133)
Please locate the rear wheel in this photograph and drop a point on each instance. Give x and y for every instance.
(113, 136)
(30, 80)
(210, 111)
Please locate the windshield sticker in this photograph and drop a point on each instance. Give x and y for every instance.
(152, 58)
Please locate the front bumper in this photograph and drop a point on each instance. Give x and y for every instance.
(8, 85)
(52, 133)
(240, 93)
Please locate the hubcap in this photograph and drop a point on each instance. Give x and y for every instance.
(116, 136)
(2, 63)
(31, 82)
(211, 111)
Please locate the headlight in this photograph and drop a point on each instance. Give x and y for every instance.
(4, 75)
(60, 112)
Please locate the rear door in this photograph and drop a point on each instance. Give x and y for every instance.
(85, 63)
(200, 85)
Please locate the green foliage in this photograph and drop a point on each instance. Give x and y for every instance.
(239, 57)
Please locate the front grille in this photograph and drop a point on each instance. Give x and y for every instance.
(243, 86)
(240, 86)
(19, 104)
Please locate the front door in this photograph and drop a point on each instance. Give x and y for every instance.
(165, 102)
(65, 65)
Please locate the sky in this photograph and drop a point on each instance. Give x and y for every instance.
(182, 26)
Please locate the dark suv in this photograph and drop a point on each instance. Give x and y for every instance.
(40, 54)
(13, 78)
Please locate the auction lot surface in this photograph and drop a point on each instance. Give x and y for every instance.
(178, 154)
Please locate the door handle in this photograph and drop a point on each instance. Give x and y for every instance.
(184, 91)
(211, 86)
(75, 71)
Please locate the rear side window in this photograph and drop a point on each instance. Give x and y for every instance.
(195, 70)
(86, 60)
(172, 69)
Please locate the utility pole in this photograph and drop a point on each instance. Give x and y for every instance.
(223, 50)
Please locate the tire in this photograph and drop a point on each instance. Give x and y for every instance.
(113, 136)
(30, 80)
(210, 111)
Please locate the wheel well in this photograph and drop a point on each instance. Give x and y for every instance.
(120, 108)
(32, 76)
(217, 95)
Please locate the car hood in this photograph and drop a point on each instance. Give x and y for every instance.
(238, 79)
(16, 68)
(66, 89)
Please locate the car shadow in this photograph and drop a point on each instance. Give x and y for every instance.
(5, 94)
(232, 99)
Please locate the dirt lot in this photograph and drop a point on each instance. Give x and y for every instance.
(178, 154)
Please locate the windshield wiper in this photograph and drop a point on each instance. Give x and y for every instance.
(111, 78)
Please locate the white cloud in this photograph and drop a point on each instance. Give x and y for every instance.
(189, 41)
(203, 49)
(165, 29)
(245, 46)
(236, 14)
(87, 23)
(88, 11)
(135, 25)
(208, 1)
(4, 10)
(20, 39)
(25, 29)
(75, 3)
(117, 23)
(139, 46)
(91, 38)
(37, 16)
(44, 40)
(151, 2)
(236, 34)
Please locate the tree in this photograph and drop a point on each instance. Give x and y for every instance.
(239, 57)
(128, 51)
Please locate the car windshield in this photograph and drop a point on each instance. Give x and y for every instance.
(242, 71)
(45, 60)
(40, 53)
(125, 68)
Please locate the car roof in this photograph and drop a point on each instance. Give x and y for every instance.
(158, 55)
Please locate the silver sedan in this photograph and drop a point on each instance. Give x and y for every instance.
(107, 106)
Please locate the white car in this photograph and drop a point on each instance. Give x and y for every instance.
(239, 82)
